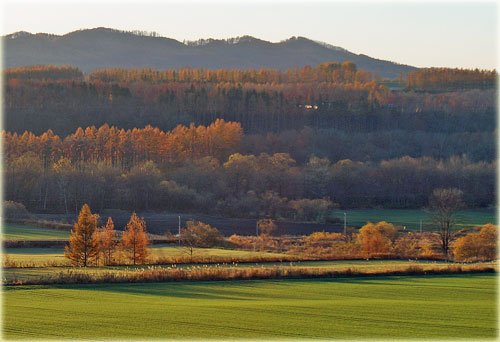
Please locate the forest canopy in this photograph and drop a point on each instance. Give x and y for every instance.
(246, 142)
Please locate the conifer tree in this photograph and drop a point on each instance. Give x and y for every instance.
(108, 243)
(135, 239)
(82, 245)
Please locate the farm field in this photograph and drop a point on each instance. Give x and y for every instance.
(18, 231)
(458, 306)
(55, 256)
(411, 217)
(27, 274)
(356, 217)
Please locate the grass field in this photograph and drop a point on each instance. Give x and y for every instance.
(55, 256)
(36, 256)
(17, 231)
(35, 274)
(391, 307)
(411, 217)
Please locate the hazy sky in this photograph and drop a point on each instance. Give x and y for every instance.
(452, 34)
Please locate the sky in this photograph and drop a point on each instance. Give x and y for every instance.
(423, 34)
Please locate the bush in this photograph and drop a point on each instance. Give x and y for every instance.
(15, 210)
(259, 243)
(407, 246)
(321, 239)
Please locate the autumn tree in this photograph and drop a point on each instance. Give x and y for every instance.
(477, 246)
(107, 241)
(444, 205)
(135, 239)
(376, 238)
(199, 234)
(82, 246)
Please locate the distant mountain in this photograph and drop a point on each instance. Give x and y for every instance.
(104, 47)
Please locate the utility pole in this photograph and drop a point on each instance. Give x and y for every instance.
(345, 224)
(179, 230)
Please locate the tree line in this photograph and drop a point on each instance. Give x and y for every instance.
(447, 79)
(126, 148)
(92, 245)
(201, 169)
(330, 95)
(384, 240)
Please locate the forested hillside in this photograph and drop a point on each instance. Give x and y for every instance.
(253, 143)
(101, 47)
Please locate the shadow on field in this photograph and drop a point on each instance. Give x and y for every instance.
(224, 289)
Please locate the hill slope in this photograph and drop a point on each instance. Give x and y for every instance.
(103, 47)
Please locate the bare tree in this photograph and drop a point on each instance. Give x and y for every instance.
(444, 204)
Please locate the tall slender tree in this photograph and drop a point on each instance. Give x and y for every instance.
(82, 246)
(135, 239)
(106, 241)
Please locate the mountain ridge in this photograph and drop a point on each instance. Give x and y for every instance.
(101, 47)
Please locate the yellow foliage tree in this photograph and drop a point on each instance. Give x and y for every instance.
(376, 238)
(477, 246)
(82, 246)
(135, 240)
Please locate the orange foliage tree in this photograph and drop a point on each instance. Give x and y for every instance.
(106, 237)
(135, 239)
(376, 238)
(82, 245)
(477, 246)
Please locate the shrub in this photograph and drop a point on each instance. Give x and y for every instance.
(407, 246)
(15, 210)
(321, 239)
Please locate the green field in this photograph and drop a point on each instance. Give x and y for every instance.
(356, 217)
(411, 217)
(17, 231)
(383, 307)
